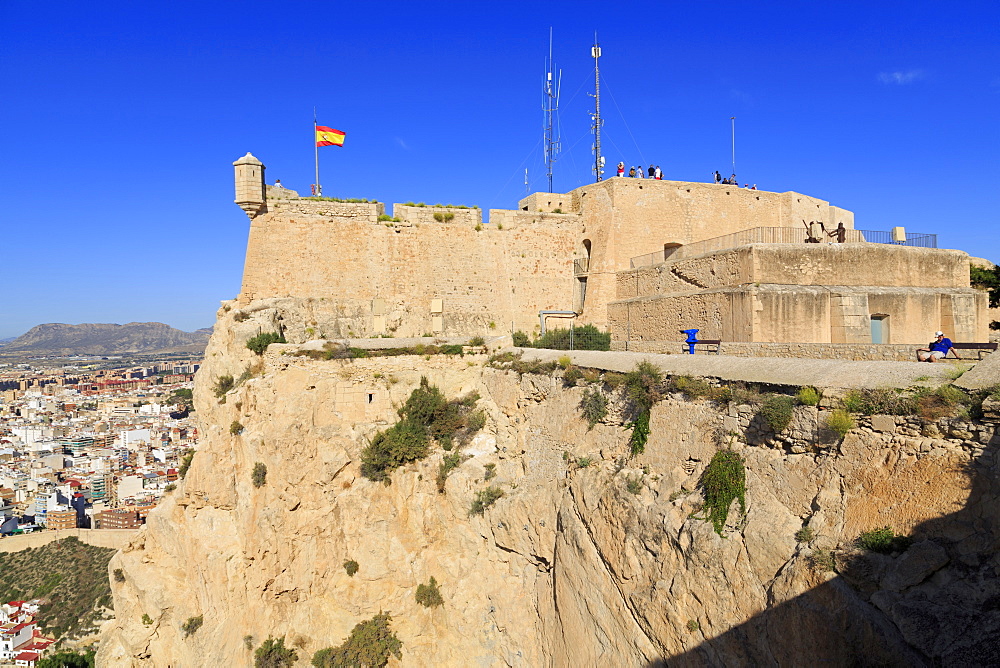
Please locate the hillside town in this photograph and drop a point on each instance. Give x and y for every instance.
(91, 446)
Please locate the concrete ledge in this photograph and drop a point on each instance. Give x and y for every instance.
(862, 352)
(774, 371)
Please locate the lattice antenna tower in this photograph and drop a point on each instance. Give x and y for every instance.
(551, 87)
(595, 53)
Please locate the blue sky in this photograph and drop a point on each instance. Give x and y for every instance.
(120, 122)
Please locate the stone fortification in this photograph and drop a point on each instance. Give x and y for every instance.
(406, 280)
(443, 270)
(590, 557)
(114, 538)
(809, 293)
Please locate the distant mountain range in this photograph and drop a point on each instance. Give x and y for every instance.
(105, 339)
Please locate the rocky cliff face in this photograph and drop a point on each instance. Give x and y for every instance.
(606, 564)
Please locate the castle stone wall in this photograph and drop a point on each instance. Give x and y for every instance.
(807, 314)
(409, 280)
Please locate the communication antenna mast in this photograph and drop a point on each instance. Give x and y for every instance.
(595, 52)
(550, 89)
(527, 190)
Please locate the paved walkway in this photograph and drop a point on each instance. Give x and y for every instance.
(984, 374)
(774, 370)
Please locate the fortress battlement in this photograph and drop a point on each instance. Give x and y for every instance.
(444, 270)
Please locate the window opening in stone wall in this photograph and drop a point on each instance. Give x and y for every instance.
(880, 328)
(581, 292)
(669, 249)
(371, 397)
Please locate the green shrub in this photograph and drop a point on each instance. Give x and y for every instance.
(272, 653)
(429, 595)
(572, 375)
(489, 472)
(839, 421)
(693, 625)
(723, 480)
(880, 401)
(804, 535)
(808, 396)
(823, 560)
(170, 487)
(119, 575)
(484, 499)
(777, 411)
(642, 385)
(884, 541)
(236, 428)
(693, 388)
(192, 625)
(146, 619)
(259, 343)
(186, 460)
(521, 340)
(241, 316)
(593, 406)
(564, 361)
(401, 443)
(450, 462)
(223, 385)
(634, 484)
(584, 462)
(67, 659)
(584, 337)
(248, 642)
(477, 341)
(640, 433)
(370, 644)
(259, 475)
(351, 567)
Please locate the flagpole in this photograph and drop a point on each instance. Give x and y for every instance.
(319, 188)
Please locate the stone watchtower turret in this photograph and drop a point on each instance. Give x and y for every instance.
(250, 194)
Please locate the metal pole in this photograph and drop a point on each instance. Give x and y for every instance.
(319, 188)
(733, 119)
(595, 51)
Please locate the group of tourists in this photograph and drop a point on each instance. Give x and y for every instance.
(730, 181)
(638, 173)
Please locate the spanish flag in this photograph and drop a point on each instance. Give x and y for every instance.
(328, 136)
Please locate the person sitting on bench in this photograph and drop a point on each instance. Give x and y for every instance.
(937, 349)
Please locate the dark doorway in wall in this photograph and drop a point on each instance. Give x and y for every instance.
(880, 328)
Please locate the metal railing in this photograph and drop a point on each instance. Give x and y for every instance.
(581, 266)
(775, 235)
(915, 239)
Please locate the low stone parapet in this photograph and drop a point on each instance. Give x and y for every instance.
(437, 214)
(355, 211)
(511, 219)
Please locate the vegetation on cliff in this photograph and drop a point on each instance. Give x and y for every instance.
(272, 653)
(370, 644)
(584, 337)
(259, 343)
(427, 415)
(722, 482)
(70, 576)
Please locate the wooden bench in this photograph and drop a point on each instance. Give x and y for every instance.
(717, 343)
(980, 348)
